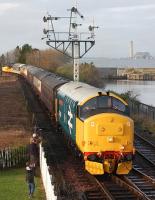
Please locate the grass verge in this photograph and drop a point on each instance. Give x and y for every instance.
(14, 187)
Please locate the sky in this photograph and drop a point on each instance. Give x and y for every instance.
(119, 21)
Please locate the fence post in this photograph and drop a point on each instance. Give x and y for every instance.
(13, 157)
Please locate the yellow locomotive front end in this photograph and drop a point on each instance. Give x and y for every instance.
(105, 135)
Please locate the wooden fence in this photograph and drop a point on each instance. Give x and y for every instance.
(13, 157)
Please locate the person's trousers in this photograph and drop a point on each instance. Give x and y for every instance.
(31, 187)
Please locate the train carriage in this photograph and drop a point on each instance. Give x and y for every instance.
(23, 70)
(16, 67)
(31, 71)
(37, 79)
(49, 91)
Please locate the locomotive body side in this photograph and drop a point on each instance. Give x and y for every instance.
(68, 96)
(67, 116)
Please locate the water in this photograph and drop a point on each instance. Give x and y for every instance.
(144, 89)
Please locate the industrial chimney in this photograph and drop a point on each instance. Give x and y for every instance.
(131, 49)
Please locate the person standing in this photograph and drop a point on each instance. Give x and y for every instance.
(34, 149)
(30, 178)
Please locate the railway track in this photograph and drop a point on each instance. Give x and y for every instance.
(144, 166)
(144, 162)
(114, 188)
(142, 177)
(142, 182)
(145, 148)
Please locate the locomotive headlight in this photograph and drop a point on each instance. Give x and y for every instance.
(110, 139)
(85, 158)
(134, 150)
(99, 154)
(122, 148)
(128, 124)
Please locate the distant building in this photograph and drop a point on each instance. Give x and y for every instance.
(143, 55)
(120, 63)
(141, 69)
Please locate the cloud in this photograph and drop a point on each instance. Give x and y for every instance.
(7, 7)
(131, 8)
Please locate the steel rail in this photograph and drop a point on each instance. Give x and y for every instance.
(142, 182)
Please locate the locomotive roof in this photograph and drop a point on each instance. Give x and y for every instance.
(79, 91)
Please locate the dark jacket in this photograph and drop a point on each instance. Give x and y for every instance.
(29, 175)
(33, 149)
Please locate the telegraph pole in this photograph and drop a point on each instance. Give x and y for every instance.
(78, 42)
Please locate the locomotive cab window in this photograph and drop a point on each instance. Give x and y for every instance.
(101, 104)
(118, 105)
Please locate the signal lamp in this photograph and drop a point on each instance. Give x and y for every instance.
(45, 31)
(44, 19)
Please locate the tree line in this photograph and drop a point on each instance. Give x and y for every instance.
(50, 60)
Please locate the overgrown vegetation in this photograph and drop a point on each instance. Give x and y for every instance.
(51, 60)
(88, 73)
(144, 124)
(140, 121)
(130, 95)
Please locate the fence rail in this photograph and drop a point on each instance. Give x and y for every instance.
(142, 110)
(13, 157)
(46, 176)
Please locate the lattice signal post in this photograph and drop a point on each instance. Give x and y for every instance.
(71, 43)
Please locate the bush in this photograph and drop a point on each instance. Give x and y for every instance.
(88, 73)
